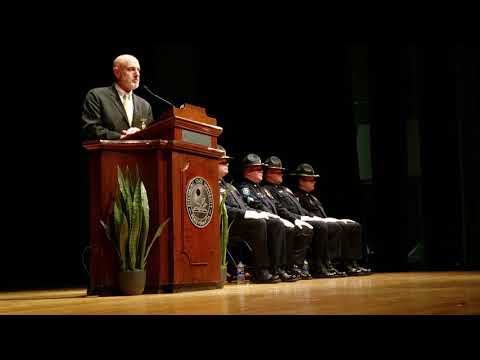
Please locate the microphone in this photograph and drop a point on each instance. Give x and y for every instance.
(158, 97)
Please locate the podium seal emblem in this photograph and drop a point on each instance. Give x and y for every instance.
(199, 202)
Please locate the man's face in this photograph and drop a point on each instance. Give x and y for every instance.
(254, 173)
(127, 73)
(274, 176)
(307, 183)
(222, 168)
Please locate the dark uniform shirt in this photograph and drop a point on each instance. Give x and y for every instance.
(310, 203)
(261, 199)
(286, 197)
(234, 203)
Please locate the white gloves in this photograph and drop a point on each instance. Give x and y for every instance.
(312, 218)
(346, 221)
(301, 223)
(287, 223)
(273, 216)
(250, 214)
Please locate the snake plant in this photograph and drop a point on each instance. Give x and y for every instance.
(224, 229)
(128, 228)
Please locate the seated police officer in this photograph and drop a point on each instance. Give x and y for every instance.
(301, 236)
(325, 243)
(248, 224)
(256, 198)
(351, 249)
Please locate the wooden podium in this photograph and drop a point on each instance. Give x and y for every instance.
(177, 158)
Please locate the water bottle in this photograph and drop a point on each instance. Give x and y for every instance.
(305, 266)
(240, 273)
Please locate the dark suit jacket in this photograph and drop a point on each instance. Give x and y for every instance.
(104, 117)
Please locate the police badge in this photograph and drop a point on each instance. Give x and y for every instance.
(199, 202)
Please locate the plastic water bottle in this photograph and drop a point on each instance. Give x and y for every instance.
(305, 265)
(240, 273)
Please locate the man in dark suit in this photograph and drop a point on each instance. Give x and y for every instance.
(114, 112)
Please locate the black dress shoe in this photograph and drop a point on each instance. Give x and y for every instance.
(285, 277)
(337, 273)
(294, 274)
(362, 270)
(352, 271)
(323, 271)
(324, 274)
(302, 273)
(305, 275)
(264, 277)
(340, 273)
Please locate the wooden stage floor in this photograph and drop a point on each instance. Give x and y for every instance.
(409, 293)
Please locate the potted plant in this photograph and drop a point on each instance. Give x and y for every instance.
(223, 238)
(224, 233)
(128, 231)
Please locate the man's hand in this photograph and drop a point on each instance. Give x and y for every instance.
(129, 131)
(301, 223)
(347, 221)
(270, 215)
(250, 214)
(287, 223)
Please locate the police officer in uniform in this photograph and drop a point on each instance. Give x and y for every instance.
(326, 239)
(254, 197)
(248, 224)
(351, 250)
(300, 238)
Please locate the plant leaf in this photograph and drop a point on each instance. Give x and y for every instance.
(157, 234)
(134, 227)
(126, 199)
(223, 230)
(117, 219)
(109, 237)
(123, 239)
(145, 223)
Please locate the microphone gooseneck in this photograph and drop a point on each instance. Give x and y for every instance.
(158, 97)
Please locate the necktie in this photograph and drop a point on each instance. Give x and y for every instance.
(127, 104)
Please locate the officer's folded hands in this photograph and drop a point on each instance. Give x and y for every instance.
(287, 223)
(301, 223)
(270, 215)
